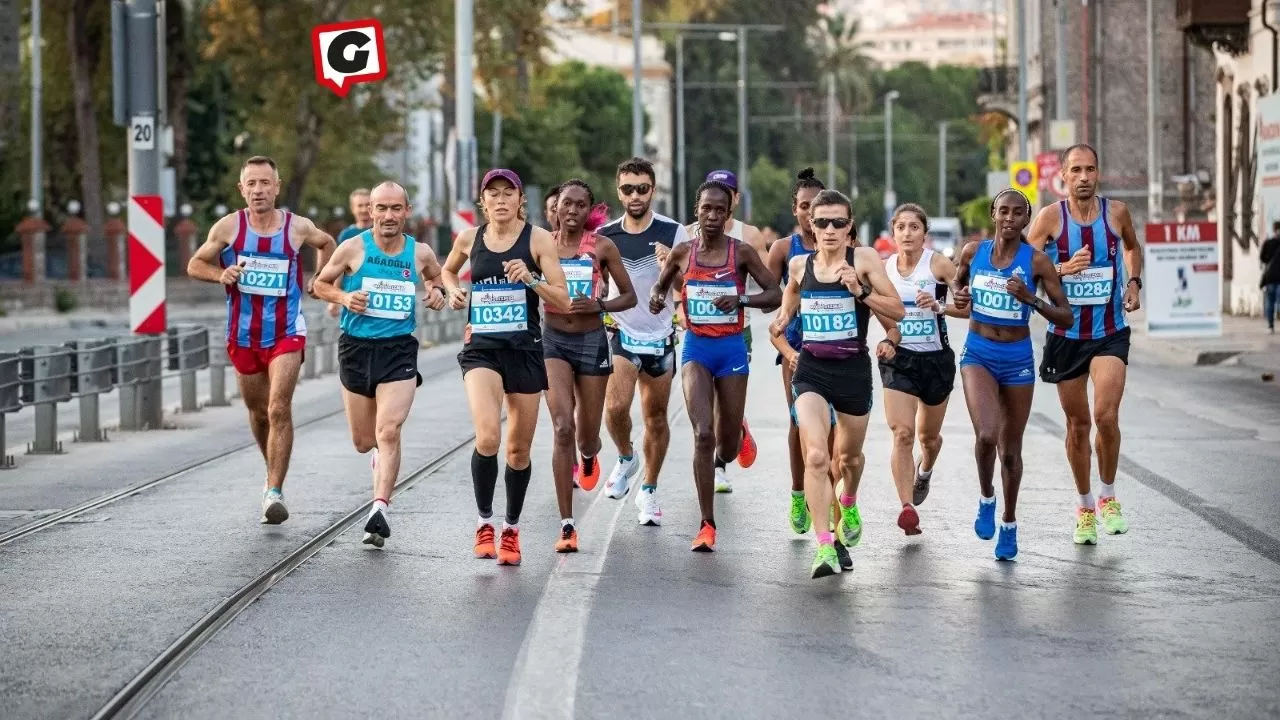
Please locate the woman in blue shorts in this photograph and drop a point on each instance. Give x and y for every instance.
(998, 280)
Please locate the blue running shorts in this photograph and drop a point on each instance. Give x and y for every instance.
(721, 356)
(1011, 363)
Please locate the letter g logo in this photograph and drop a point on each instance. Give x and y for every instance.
(348, 53)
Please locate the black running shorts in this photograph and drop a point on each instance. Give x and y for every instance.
(522, 369)
(587, 353)
(653, 365)
(366, 363)
(1065, 359)
(929, 376)
(844, 384)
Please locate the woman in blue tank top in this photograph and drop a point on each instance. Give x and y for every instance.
(806, 188)
(998, 280)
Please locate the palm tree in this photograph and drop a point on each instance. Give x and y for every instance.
(843, 53)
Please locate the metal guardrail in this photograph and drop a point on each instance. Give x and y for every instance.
(45, 376)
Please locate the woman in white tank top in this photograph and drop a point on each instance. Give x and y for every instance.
(917, 365)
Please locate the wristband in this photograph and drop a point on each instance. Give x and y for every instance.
(866, 293)
(1136, 280)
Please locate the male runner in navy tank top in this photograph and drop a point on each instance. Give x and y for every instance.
(1086, 235)
(643, 345)
(377, 351)
(514, 267)
(714, 268)
(254, 254)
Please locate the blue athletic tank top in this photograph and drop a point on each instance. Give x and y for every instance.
(391, 283)
(1096, 295)
(991, 302)
(794, 332)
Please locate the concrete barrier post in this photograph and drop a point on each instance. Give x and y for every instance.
(115, 235)
(76, 231)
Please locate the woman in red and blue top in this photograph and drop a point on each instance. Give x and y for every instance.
(714, 268)
(997, 280)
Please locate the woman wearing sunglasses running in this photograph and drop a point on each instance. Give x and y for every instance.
(835, 289)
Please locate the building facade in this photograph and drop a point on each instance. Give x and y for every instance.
(1105, 76)
(938, 38)
(1245, 96)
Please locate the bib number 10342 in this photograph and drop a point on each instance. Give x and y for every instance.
(498, 308)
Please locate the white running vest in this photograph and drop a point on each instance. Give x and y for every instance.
(919, 328)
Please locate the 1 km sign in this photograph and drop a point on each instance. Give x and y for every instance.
(1182, 282)
(1192, 232)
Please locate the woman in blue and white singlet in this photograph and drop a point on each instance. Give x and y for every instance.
(998, 280)
(917, 365)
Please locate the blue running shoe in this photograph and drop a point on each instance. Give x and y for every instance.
(985, 525)
(1007, 543)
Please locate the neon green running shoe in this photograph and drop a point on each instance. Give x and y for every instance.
(800, 520)
(849, 530)
(1086, 527)
(826, 563)
(1112, 520)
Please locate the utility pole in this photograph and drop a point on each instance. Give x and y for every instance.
(637, 100)
(136, 104)
(1020, 17)
(1060, 40)
(942, 169)
(890, 197)
(831, 130)
(464, 117)
(743, 183)
(37, 88)
(681, 180)
(1155, 173)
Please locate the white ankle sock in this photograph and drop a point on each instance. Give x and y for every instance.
(565, 522)
(1108, 491)
(1086, 501)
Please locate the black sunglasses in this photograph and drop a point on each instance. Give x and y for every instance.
(641, 189)
(837, 223)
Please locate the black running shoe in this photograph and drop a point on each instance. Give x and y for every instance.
(376, 530)
(846, 562)
(920, 490)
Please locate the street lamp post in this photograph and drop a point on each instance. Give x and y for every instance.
(681, 180)
(37, 85)
(464, 104)
(726, 33)
(942, 169)
(831, 129)
(637, 102)
(890, 197)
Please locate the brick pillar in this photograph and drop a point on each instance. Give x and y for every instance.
(115, 235)
(186, 232)
(76, 231)
(32, 231)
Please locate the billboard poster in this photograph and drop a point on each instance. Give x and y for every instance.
(1267, 164)
(1181, 283)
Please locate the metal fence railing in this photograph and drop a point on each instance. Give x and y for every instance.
(44, 377)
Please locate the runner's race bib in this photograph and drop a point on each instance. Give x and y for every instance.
(827, 315)
(499, 308)
(1092, 286)
(641, 347)
(918, 326)
(577, 275)
(264, 275)
(389, 299)
(991, 297)
(699, 306)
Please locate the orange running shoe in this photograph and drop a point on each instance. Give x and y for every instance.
(587, 479)
(747, 453)
(568, 541)
(484, 542)
(509, 549)
(706, 539)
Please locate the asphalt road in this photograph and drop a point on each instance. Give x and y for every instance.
(1178, 618)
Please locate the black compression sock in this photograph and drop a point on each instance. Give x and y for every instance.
(484, 477)
(517, 482)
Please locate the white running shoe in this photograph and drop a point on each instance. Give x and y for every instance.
(620, 479)
(274, 511)
(722, 482)
(650, 511)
